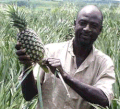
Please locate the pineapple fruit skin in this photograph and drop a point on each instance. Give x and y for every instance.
(32, 44)
(27, 37)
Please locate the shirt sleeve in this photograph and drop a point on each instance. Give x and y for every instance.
(106, 78)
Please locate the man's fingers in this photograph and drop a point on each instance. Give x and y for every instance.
(24, 58)
(21, 52)
(18, 46)
(52, 68)
(53, 59)
(54, 62)
(26, 62)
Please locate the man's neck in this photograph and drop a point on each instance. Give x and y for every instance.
(81, 51)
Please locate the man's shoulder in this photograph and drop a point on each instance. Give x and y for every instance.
(56, 46)
(100, 55)
(54, 49)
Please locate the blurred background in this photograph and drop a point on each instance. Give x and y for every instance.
(53, 20)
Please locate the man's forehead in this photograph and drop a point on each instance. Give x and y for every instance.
(90, 10)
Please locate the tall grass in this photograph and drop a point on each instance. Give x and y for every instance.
(55, 25)
(109, 43)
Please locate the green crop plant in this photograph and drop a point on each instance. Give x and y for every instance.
(53, 25)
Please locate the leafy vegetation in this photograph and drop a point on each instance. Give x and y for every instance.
(53, 25)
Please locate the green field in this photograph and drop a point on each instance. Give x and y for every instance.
(54, 23)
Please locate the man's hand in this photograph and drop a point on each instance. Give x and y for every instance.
(22, 56)
(55, 64)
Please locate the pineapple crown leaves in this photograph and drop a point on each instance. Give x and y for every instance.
(18, 17)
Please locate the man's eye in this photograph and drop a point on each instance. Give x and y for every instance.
(82, 23)
(94, 26)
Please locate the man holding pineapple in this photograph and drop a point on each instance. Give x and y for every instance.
(88, 73)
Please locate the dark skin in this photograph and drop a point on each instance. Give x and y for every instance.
(29, 88)
(87, 28)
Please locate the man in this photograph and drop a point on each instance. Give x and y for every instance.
(88, 73)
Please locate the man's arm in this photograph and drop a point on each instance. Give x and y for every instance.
(29, 88)
(87, 92)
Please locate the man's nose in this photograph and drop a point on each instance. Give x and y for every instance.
(87, 28)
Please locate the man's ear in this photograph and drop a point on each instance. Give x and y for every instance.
(74, 22)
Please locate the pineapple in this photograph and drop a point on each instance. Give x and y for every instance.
(27, 37)
(30, 41)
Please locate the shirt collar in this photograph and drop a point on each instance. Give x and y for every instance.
(70, 47)
(87, 61)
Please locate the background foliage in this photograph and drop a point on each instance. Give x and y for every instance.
(54, 22)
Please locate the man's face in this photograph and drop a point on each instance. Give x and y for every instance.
(87, 28)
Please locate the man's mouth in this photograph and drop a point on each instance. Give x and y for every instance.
(84, 36)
